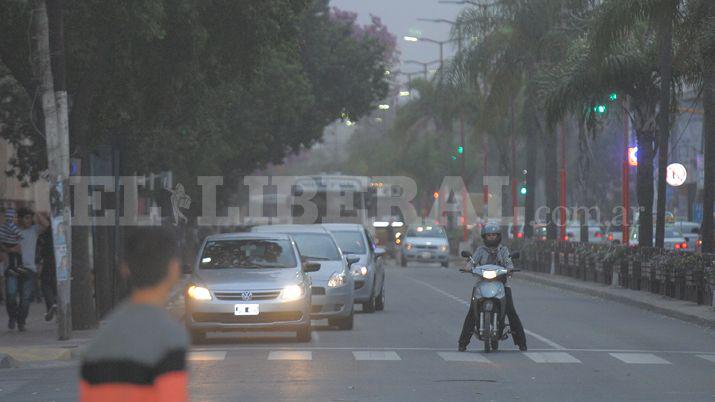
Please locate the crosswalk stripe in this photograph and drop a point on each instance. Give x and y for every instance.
(463, 357)
(375, 355)
(207, 356)
(710, 358)
(552, 357)
(290, 355)
(639, 358)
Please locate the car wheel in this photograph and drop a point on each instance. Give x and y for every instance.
(343, 323)
(304, 334)
(380, 301)
(445, 264)
(198, 337)
(369, 307)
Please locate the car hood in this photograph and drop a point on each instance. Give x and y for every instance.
(327, 268)
(427, 241)
(240, 279)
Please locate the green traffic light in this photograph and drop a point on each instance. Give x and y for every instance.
(600, 109)
(613, 96)
(523, 190)
(460, 150)
(454, 158)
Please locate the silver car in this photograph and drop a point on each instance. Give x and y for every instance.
(249, 281)
(426, 244)
(333, 284)
(368, 273)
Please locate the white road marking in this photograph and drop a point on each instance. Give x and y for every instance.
(552, 357)
(376, 355)
(466, 303)
(207, 355)
(710, 358)
(290, 355)
(463, 357)
(639, 358)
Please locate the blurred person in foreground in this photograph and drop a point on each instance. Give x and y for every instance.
(140, 354)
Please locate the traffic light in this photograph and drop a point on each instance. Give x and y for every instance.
(613, 97)
(522, 190)
(460, 149)
(454, 158)
(600, 109)
(435, 195)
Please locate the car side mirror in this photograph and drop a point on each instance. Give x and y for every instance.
(515, 255)
(311, 266)
(352, 259)
(466, 254)
(379, 251)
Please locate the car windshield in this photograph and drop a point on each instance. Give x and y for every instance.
(672, 232)
(351, 242)
(316, 246)
(426, 231)
(248, 253)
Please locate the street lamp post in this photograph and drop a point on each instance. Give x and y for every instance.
(424, 65)
(441, 44)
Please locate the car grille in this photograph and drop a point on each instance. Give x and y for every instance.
(318, 291)
(255, 295)
(425, 247)
(226, 318)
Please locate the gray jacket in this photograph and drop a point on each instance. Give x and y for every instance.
(500, 256)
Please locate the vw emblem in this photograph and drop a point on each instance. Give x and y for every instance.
(246, 295)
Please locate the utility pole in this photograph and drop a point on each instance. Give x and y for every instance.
(55, 109)
(562, 173)
(625, 177)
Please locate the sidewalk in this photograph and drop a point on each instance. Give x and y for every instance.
(687, 311)
(39, 342)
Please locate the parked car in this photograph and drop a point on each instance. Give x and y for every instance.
(249, 281)
(333, 285)
(368, 273)
(595, 233)
(691, 232)
(425, 244)
(672, 240)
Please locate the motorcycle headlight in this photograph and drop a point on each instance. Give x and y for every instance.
(359, 271)
(443, 248)
(337, 280)
(291, 293)
(490, 274)
(199, 293)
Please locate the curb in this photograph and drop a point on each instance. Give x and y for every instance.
(7, 361)
(36, 354)
(604, 294)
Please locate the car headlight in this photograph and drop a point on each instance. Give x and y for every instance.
(199, 293)
(359, 271)
(408, 246)
(291, 293)
(490, 274)
(443, 248)
(337, 280)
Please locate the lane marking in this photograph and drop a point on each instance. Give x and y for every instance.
(639, 358)
(551, 357)
(203, 356)
(425, 349)
(290, 355)
(376, 355)
(463, 357)
(710, 358)
(466, 303)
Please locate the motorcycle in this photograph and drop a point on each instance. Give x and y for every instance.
(489, 301)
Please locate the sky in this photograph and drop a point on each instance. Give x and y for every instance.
(401, 18)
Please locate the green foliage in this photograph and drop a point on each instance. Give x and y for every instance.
(213, 87)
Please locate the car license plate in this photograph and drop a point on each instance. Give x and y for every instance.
(246, 309)
(426, 255)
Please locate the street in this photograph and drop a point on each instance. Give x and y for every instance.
(580, 348)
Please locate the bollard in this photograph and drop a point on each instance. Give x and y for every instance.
(552, 270)
(615, 278)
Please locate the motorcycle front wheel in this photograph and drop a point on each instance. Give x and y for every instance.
(487, 331)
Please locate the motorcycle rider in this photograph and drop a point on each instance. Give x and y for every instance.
(492, 252)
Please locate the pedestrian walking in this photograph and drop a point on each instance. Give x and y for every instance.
(140, 354)
(20, 279)
(47, 272)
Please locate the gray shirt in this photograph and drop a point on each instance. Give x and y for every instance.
(28, 244)
(499, 256)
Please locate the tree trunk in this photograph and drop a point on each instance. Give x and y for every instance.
(532, 144)
(709, 153)
(665, 61)
(551, 188)
(644, 189)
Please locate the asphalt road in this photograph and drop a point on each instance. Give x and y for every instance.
(581, 348)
